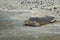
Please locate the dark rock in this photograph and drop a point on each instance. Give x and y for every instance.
(30, 8)
(55, 8)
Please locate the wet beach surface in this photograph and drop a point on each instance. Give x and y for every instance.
(11, 23)
(13, 29)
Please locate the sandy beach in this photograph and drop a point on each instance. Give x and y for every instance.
(13, 14)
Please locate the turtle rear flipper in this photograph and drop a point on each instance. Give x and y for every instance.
(54, 20)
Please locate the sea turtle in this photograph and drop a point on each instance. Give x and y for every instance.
(37, 21)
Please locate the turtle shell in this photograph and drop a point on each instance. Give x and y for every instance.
(41, 21)
(46, 19)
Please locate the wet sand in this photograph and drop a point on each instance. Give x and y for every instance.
(13, 29)
(12, 20)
